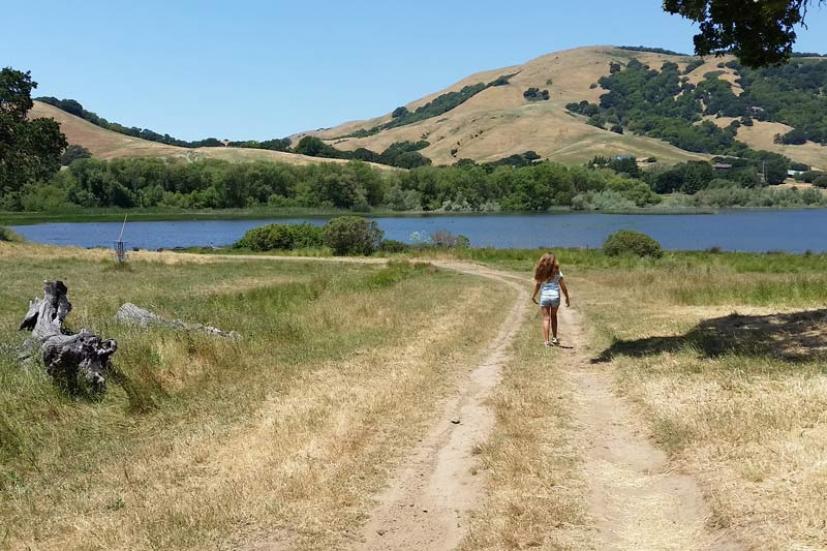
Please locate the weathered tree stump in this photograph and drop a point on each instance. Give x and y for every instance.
(66, 356)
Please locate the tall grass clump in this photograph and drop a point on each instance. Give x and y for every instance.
(396, 271)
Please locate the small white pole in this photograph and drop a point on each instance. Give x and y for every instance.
(120, 252)
(120, 237)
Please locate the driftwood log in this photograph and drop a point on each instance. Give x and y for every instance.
(135, 315)
(66, 356)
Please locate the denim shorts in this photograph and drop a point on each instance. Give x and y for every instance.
(553, 303)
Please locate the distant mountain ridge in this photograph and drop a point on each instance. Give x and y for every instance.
(528, 112)
(555, 107)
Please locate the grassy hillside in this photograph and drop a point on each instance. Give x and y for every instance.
(499, 121)
(494, 114)
(107, 144)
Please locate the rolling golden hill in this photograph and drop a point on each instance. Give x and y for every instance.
(492, 124)
(499, 122)
(107, 144)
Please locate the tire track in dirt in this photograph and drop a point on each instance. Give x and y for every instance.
(427, 503)
(636, 500)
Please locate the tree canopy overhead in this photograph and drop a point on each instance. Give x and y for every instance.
(758, 32)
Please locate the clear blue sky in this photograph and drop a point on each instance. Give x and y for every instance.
(263, 69)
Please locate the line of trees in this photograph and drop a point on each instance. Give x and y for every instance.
(615, 184)
(74, 107)
(468, 187)
(32, 151)
(399, 154)
(145, 183)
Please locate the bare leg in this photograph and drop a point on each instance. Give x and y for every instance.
(546, 321)
(552, 312)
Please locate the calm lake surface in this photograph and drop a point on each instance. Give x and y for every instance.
(742, 230)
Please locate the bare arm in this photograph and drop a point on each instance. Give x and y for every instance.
(565, 290)
(536, 290)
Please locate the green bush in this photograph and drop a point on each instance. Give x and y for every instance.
(632, 242)
(282, 237)
(7, 235)
(74, 152)
(809, 176)
(820, 181)
(352, 235)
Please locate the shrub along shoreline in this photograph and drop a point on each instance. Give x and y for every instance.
(341, 236)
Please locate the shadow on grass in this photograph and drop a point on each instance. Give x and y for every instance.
(795, 337)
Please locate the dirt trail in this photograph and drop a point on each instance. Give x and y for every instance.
(636, 501)
(428, 501)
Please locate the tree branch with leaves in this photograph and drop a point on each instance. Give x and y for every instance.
(758, 32)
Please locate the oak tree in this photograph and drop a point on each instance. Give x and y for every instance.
(758, 32)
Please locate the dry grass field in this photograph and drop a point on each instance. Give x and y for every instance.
(283, 436)
(732, 385)
(685, 409)
(720, 361)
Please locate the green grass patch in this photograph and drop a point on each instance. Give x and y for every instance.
(398, 270)
(771, 262)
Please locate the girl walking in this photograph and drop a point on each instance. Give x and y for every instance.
(549, 282)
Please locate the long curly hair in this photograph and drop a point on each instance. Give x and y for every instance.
(546, 267)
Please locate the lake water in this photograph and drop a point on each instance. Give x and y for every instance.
(741, 230)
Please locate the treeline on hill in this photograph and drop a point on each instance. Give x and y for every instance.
(74, 107)
(615, 184)
(665, 105)
(400, 154)
(439, 105)
(652, 50)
